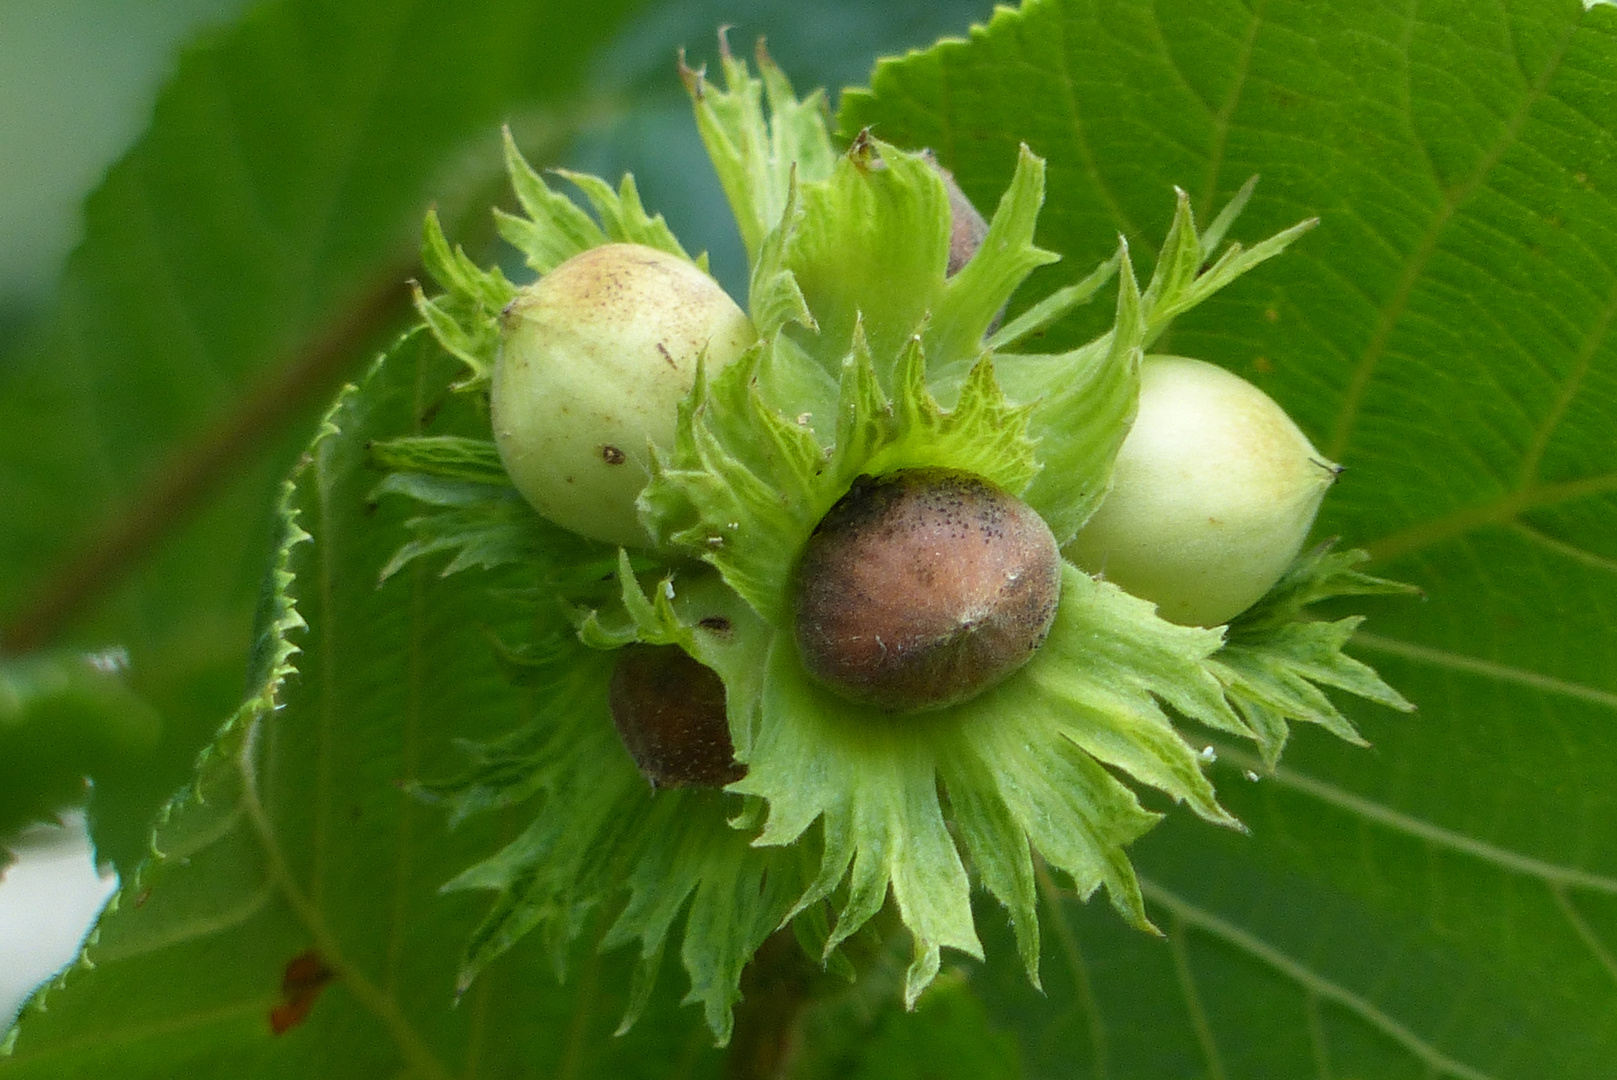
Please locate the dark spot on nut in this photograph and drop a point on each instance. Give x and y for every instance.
(612, 455)
(669, 712)
(923, 588)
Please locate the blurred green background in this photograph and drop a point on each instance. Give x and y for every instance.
(77, 81)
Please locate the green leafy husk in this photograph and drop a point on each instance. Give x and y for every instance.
(869, 359)
(1278, 658)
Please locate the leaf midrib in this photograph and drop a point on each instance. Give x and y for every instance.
(1502, 510)
(1415, 266)
(1501, 858)
(376, 1001)
(1310, 980)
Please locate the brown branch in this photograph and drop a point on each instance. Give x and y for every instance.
(183, 482)
(776, 987)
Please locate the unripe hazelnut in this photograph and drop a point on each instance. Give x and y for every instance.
(1213, 494)
(669, 712)
(922, 588)
(594, 360)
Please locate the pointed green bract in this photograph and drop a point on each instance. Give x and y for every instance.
(973, 298)
(757, 156)
(623, 218)
(476, 516)
(737, 894)
(1277, 660)
(553, 229)
(1049, 311)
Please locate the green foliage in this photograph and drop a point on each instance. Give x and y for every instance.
(63, 718)
(239, 263)
(1442, 905)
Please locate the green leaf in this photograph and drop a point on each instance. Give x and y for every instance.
(947, 1036)
(238, 263)
(1444, 903)
(291, 922)
(64, 718)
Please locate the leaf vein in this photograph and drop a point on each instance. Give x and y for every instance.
(140, 1032)
(1310, 980)
(1488, 669)
(1498, 511)
(1199, 1021)
(409, 1042)
(1221, 119)
(1076, 965)
(1581, 365)
(1561, 547)
(1316, 1037)
(1393, 310)
(1585, 932)
(1436, 835)
(193, 930)
(1081, 137)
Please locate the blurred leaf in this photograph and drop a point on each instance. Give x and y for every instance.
(63, 718)
(291, 926)
(238, 262)
(947, 1036)
(1446, 903)
(70, 102)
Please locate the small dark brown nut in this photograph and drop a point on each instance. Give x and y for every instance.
(967, 227)
(923, 588)
(669, 712)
